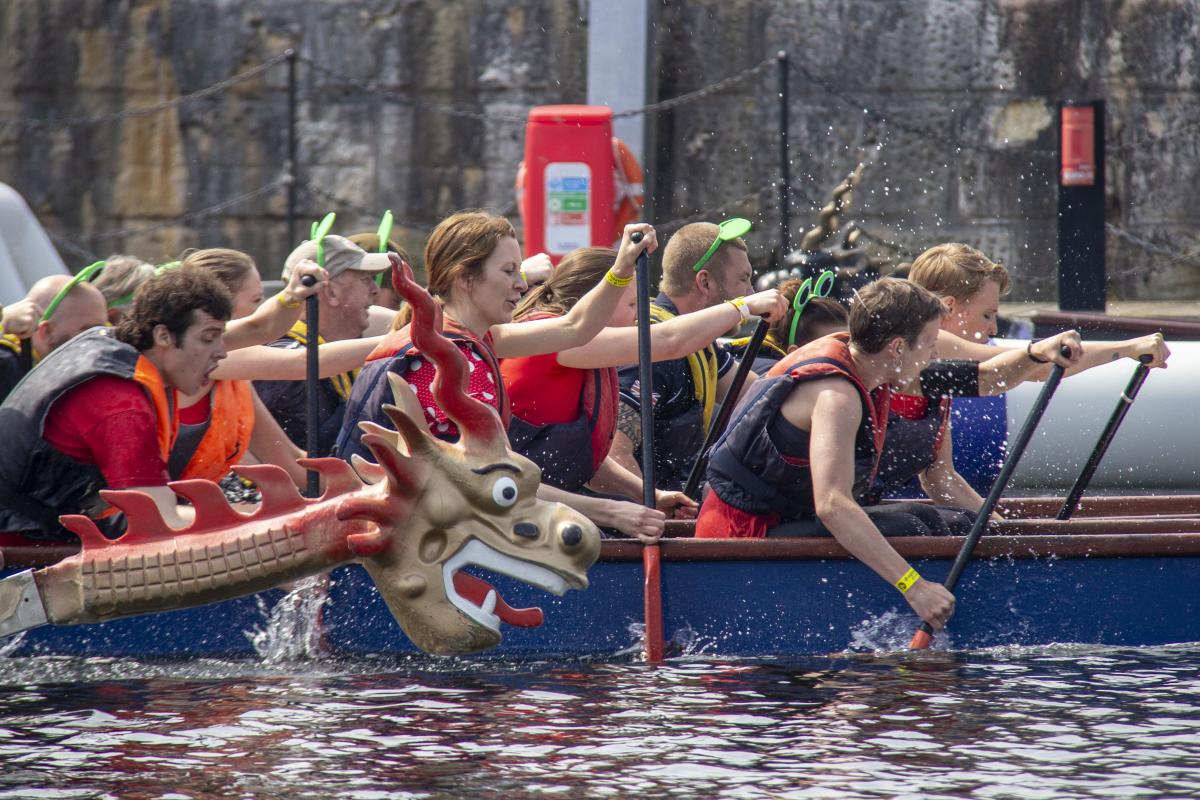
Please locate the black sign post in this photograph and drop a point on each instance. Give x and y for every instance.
(1081, 271)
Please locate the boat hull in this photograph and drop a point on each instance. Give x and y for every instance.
(779, 597)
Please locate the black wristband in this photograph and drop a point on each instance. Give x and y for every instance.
(1032, 357)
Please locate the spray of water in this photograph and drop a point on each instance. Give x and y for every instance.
(293, 629)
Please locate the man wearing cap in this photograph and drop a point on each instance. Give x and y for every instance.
(81, 306)
(344, 307)
(702, 267)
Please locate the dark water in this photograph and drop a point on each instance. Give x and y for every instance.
(1056, 722)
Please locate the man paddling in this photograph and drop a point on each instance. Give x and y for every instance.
(806, 442)
(100, 411)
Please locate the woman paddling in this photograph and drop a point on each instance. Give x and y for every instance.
(564, 404)
(474, 265)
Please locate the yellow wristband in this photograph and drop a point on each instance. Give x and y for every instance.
(740, 304)
(619, 282)
(283, 301)
(907, 580)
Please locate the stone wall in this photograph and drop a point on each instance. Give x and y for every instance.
(951, 103)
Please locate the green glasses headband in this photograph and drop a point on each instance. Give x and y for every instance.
(807, 291)
(84, 274)
(384, 234)
(318, 233)
(727, 231)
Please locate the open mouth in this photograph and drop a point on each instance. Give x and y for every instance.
(480, 601)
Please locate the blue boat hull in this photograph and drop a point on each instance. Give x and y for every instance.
(736, 607)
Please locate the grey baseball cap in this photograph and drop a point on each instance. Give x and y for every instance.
(341, 254)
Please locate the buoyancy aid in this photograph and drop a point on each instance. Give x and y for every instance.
(227, 438)
(570, 452)
(372, 389)
(37, 482)
(916, 427)
(760, 465)
(343, 383)
(680, 420)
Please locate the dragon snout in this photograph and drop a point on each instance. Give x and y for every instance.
(570, 532)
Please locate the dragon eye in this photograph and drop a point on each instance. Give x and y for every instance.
(504, 492)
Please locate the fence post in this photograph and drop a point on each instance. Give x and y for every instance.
(785, 170)
(1081, 270)
(293, 180)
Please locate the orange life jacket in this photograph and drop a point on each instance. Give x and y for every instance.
(227, 438)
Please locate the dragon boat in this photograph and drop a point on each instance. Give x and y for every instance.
(1123, 571)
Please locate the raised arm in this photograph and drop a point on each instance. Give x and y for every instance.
(834, 411)
(275, 316)
(674, 338)
(587, 318)
(263, 363)
(1012, 367)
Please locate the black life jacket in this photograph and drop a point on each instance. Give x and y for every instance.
(760, 465)
(912, 447)
(37, 482)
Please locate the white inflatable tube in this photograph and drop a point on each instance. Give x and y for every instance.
(26, 253)
(1156, 448)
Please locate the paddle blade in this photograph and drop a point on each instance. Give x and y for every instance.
(921, 640)
(651, 566)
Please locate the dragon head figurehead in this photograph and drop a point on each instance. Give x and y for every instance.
(440, 508)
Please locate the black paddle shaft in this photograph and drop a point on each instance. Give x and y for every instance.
(1071, 504)
(722, 419)
(1006, 471)
(312, 374)
(645, 373)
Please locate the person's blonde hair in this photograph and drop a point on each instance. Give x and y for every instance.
(576, 275)
(457, 248)
(685, 248)
(957, 270)
(231, 267)
(121, 276)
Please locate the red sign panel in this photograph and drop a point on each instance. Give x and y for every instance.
(1078, 146)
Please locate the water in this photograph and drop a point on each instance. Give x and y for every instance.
(1051, 722)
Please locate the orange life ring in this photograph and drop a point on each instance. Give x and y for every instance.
(628, 190)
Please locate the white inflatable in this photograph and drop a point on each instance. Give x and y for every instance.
(26, 253)
(1156, 448)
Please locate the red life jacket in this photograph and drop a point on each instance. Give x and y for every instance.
(571, 446)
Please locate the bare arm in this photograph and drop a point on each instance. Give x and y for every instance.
(263, 363)
(586, 319)
(379, 321)
(613, 478)
(276, 315)
(631, 519)
(942, 482)
(1012, 367)
(834, 412)
(674, 338)
(271, 445)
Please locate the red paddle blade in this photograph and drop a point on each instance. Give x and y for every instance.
(653, 604)
(921, 640)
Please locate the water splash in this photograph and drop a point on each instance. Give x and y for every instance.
(890, 632)
(10, 646)
(293, 631)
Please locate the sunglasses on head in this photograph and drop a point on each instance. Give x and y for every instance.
(807, 291)
(727, 231)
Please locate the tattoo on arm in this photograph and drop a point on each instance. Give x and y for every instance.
(629, 422)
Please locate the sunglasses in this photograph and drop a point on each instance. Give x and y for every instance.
(727, 231)
(807, 291)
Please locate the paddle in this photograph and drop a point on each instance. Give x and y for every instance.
(651, 556)
(1106, 436)
(312, 373)
(924, 636)
(722, 419)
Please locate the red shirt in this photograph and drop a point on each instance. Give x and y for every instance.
(109, 422)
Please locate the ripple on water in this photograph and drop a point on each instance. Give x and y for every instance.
(1057, 722)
